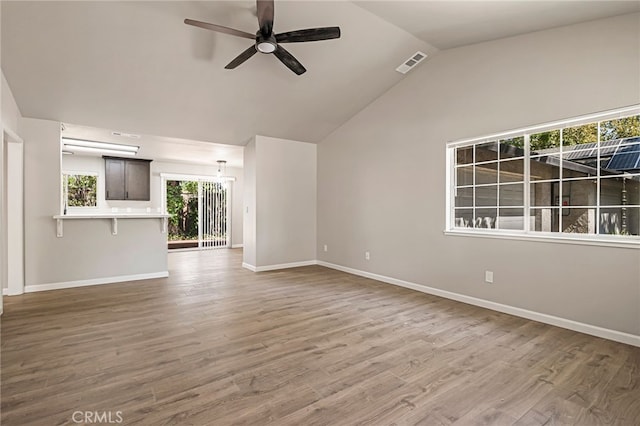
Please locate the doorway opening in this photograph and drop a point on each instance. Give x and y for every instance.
(199, 210)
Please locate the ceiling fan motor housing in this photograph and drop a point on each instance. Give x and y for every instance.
(265, 44)
(266, 41)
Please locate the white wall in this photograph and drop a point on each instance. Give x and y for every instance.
(10, 112)
(15, 217)
(94, 164)
(249, 210)
(381, 176)
(11, 169)
(285, 201)
(4, 244)
(88, 250)
(237, 202)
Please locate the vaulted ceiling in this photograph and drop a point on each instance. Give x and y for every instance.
(136, 67)
(449, 24)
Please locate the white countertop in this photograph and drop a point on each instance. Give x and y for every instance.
(114, 216)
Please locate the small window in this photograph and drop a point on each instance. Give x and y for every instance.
(80, 189)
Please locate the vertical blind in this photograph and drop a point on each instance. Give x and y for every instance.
(213, 214)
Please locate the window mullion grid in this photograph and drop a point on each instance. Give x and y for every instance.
(598, 182)
(560, 189)
(451, 187)
(498, 189)
(473, 176)
(200, 217)
(527, 185)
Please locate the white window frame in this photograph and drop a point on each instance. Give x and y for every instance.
(65, 195)
(164, 177)
(527, 233)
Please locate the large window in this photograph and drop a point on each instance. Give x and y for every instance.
(581, 176)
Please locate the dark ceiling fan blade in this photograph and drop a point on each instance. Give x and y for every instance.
(265, 16)
(288, 59)
(242, 57)
(219, 28)
(311, 34)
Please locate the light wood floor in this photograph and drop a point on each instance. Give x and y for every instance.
(216, 344)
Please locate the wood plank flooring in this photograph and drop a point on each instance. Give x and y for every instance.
(215, 344)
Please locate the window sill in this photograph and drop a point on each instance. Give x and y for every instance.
(628, 243)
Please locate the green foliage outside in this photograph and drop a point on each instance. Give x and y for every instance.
(518, 142)
(81, 190)
(544, 140)
(182, 205)
(588, 133)
(621, 128)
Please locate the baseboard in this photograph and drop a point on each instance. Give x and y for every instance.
(279, 266)
(286, 265)
(7, 292)
(96, 281)
(605, 333)
(237, 245)
(249, 267)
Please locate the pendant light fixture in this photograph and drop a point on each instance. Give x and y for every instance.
(222, 168)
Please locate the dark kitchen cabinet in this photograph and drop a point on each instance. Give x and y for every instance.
(127, 179)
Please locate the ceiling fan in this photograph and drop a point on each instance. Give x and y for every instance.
(266, 41)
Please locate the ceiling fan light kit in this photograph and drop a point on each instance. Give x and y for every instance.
(265, 45)
(266, 41)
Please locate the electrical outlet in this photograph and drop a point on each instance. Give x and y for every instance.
(326, 249)
(488, 276)
(367, 255)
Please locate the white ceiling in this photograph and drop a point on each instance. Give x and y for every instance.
(448, 24)
(160, 148)
(135, 67)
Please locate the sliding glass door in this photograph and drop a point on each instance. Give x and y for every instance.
(182, 205)
(213, 214)
(199, 213)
